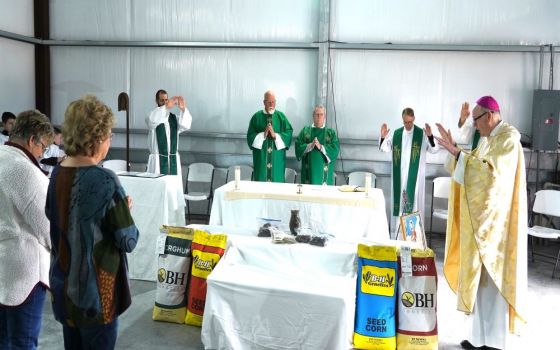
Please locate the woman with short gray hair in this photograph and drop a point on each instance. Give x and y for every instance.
(24, 231)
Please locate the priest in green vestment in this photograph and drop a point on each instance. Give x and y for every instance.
(317, 147)
(269, 136)
(163, 140)
(408, 145)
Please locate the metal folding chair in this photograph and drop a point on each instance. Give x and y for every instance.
(200, 173)
(547, 204)
(440, 189)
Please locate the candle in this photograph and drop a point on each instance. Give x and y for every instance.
(237, 177)
(367, 183)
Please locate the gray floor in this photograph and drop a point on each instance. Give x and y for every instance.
(138, 331)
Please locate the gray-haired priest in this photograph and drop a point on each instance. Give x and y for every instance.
(269, 136)
(317, 148)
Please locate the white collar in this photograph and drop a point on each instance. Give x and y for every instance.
(496, 128)
(321, 127)
(265, 112)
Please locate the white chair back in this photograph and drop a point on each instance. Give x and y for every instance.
(547, 202)
(115, 164)
(339, 179)
(290, 176)
(358, 178)
(246, 173)
(440, 189)
(442, 185)
(200, 172)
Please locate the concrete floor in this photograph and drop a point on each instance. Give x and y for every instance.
(138, 331)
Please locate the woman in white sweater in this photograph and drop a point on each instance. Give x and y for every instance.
(24, 231)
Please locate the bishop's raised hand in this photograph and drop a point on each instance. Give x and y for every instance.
(446, 140)
(445, 134)
(384, 130)
(465, 113)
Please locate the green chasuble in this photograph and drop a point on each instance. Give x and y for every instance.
(269, 163)
(167, 157)
(315, 168)
(417, 138)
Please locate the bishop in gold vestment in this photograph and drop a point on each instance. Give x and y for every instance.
(486, 246)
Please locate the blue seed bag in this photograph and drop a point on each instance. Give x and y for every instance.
(375, 322)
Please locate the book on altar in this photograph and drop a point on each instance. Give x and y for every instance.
(351, 188)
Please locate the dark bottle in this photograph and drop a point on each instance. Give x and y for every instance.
(295, 222)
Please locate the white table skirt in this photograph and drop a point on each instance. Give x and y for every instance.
(347, 216)
(267, 296)
(155, 202)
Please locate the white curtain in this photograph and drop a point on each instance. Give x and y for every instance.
(16, 17)
(434, 84)
(185, 20)
(513, 22)
(17, 76)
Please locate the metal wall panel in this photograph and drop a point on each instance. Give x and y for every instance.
(17, 16)
(224, 87)
(434, 84)
(185, 20)
(503, 22)
(17, 76)
(90, 20)
(76, 71)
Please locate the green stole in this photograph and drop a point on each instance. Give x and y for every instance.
(270, 146)
(475, 140)
(320, 135)
(417, 139)
(167, 158)
(313, 158)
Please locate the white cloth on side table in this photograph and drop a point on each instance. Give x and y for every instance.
(155, 202)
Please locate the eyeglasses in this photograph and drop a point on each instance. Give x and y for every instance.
(43, 146)
(480, 116)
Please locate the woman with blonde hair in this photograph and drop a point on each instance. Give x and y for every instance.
(91, 231)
